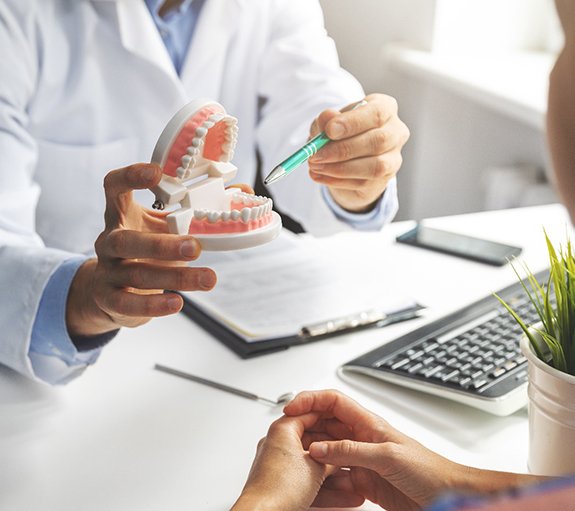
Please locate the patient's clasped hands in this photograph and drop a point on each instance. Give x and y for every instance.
(328, 451)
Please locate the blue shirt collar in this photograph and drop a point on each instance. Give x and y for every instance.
(154, 6)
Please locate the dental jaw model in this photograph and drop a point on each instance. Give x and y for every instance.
(195, 152)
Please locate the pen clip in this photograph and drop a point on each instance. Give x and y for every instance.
(362, 319)
(353, 106)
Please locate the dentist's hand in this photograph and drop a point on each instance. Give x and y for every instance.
(137, 259)
(365, 153)
(386, 466)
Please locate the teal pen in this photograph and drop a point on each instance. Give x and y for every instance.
(305, 153)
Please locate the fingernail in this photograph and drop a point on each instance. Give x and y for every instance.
(148, 172)
(188, 249)
(174, 303)
(336, 130)
(207, 280)
(318, 450)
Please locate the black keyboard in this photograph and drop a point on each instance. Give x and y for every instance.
(471, 356)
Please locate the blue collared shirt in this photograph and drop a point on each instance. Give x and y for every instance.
(52, 353)
(177, 27)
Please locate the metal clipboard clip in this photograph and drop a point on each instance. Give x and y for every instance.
(360, 320)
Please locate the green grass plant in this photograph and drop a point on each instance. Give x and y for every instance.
(555, 306)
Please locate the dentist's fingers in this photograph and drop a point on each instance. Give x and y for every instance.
(139, 275)
(119, 184)
(377, 112)
(358, 173)
(243, 187)
(131, 244)
(132, 309)
(371, 143)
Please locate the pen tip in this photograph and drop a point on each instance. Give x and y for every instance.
(274, 175)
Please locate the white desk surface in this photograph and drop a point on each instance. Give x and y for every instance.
(126, 437)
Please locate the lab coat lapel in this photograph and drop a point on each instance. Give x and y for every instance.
(140, 36)
(203, 68)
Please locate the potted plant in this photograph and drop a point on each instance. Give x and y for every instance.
(549, 347)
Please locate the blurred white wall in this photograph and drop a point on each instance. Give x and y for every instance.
(361, 28)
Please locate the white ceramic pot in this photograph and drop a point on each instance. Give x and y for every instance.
(551, 417)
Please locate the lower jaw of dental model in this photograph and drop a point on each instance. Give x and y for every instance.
(247, 212)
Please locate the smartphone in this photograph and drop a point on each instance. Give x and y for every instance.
(468, 247)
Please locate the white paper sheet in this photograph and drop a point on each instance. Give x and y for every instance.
(274, 291)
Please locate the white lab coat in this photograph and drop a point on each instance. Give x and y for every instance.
(87, 86)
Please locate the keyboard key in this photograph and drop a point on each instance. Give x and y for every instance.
(476, 361)
(486, 368)
(450, 375)
(476, 374)
(415, 369)
(498, 372)
(413, 353)
(479, 383)
(400, 363)
(428, 373)
(429, 347)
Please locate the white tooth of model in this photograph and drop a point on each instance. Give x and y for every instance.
(245, 214)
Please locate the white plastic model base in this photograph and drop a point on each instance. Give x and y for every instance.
(195, 151)
(248, 239)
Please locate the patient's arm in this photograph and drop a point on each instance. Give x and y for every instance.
(561, 111)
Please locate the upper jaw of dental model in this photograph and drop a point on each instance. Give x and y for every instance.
(247, 212)
(226, 143)
(208, 135)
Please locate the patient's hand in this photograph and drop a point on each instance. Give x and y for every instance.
(386, 466)
(283, 475)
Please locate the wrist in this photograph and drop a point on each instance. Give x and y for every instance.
(254, 502)
(351, 203)
(83, 316)
(491, 481)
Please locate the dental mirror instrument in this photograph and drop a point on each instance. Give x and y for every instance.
(282, 399)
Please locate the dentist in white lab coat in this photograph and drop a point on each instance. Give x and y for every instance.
(86, 86)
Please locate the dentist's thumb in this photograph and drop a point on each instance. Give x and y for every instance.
(347, 453)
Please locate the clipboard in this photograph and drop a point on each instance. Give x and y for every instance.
(307, 334)
(295, 290)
